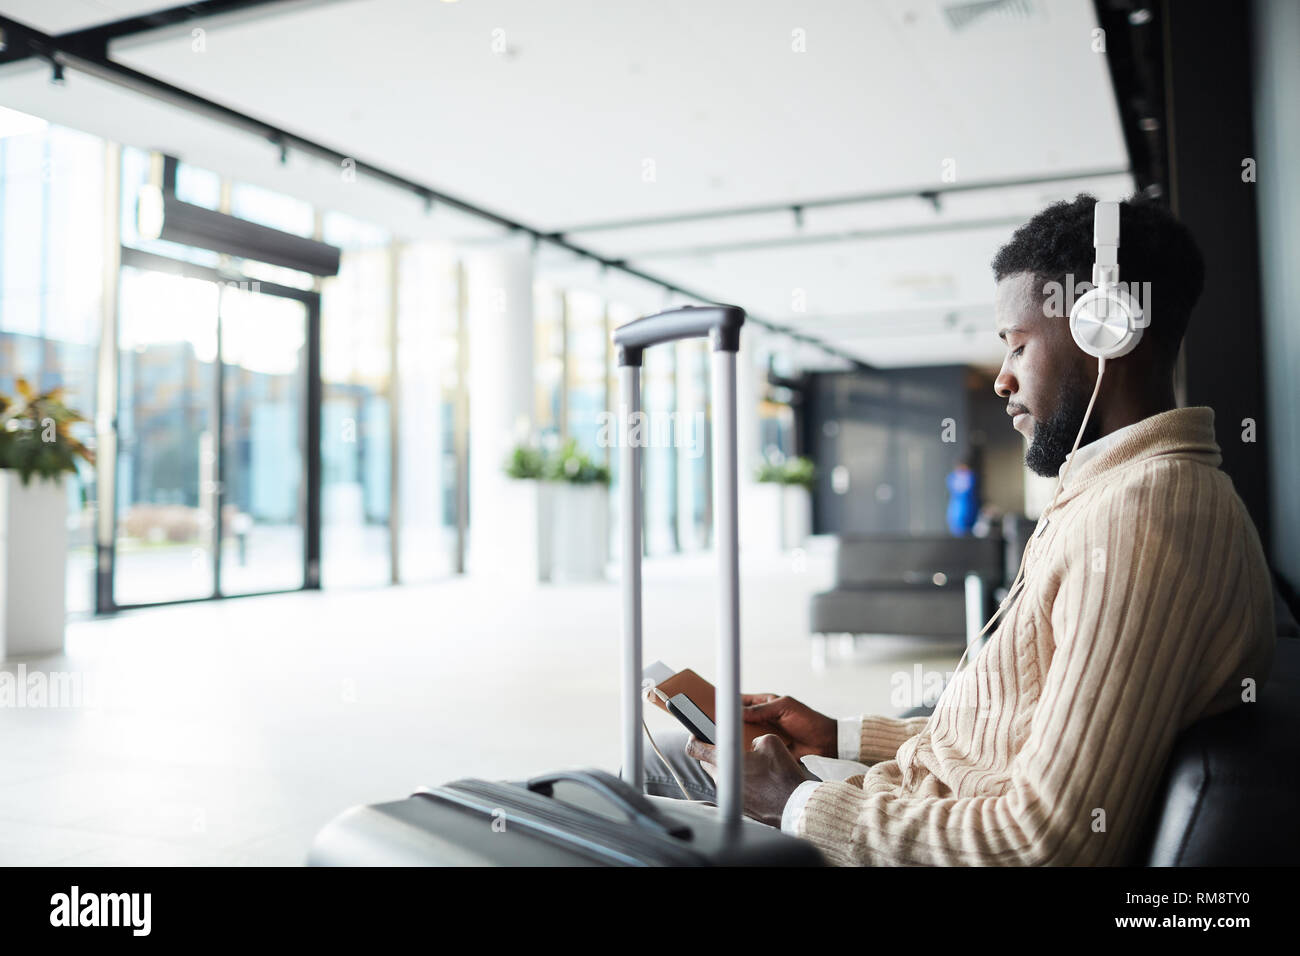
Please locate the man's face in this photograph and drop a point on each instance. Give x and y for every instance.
(1044, 376)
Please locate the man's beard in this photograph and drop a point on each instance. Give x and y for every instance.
(1054, 437)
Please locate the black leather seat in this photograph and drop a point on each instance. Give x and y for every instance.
(1230, 795)
(1231, 790)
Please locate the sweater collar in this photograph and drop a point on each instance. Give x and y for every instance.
(1179, 432)
(1095, 448)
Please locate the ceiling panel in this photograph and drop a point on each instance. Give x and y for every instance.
(591, 100)
(572, 112)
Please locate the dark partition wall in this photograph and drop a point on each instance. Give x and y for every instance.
(1277, 144)
(885, 440)
(1210, 135)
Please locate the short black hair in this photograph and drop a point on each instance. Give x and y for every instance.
(1154, 247)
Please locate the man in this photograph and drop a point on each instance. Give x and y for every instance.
(963, 498)
(1146, 604)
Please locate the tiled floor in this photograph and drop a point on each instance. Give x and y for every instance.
(229, 733)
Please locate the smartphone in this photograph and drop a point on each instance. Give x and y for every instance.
(692, 718)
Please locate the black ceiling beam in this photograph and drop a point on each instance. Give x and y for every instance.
(890, 232)
(797, 207)
(21, 42)
(1135, 56)
(95, 39)
(160, 19)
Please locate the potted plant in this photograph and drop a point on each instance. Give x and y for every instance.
(792, 480)
(526, 463)
(37, 452)
(581, 523)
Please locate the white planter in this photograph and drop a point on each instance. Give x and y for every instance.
(543, 496)
(775, 517)
(33, 566)
(796, 516)
(510, 534)
(580, 534)
(760, 518)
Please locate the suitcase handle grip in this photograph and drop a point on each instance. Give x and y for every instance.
(721, 323)
(641, 811)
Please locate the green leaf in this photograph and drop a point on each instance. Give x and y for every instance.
(791, 471)
(27, 426)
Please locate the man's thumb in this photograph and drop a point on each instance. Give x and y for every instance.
(769, 742)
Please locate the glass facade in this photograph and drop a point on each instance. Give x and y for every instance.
(213, 358)
(263, 366)
(356, 425)
(51, 281)
(289, 214)
(429, 380)
(659, 399)
(694, 446)
(586, 378)
(548, 374)
(166, 472)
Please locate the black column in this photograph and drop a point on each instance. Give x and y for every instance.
(312, 451)
(1209, 122)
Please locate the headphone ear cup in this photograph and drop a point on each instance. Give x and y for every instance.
(1105, 323)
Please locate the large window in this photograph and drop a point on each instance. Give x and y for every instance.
(166, 434)
(212, 462)
(356, 424)
(694, 445)
(659, 398)
(211, 444)
(619, 314)
(428, 376)
(264, 359)
(202, 187)
(548, 373)
(51, 277)
(292, 215)
(586, 366)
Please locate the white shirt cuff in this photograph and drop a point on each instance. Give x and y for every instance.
(794, 806)
(850, 738)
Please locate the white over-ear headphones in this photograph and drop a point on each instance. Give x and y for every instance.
(1107, 322)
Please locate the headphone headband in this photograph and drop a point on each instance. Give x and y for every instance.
(1106, 322)
(1105, 239)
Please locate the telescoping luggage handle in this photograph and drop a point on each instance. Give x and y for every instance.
(638, 809)
(721, 324)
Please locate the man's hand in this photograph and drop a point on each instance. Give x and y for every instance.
(771, 774)
(802, 729)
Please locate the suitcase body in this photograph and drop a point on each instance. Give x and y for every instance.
(568, 823)
(590, 817)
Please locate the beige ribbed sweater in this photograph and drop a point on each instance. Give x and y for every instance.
(1147, 603)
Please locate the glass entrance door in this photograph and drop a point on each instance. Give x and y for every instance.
(263, 360)
(166, 454)
(211, 438)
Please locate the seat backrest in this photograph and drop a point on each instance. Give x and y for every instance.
(867, 559)
(1231, 789)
